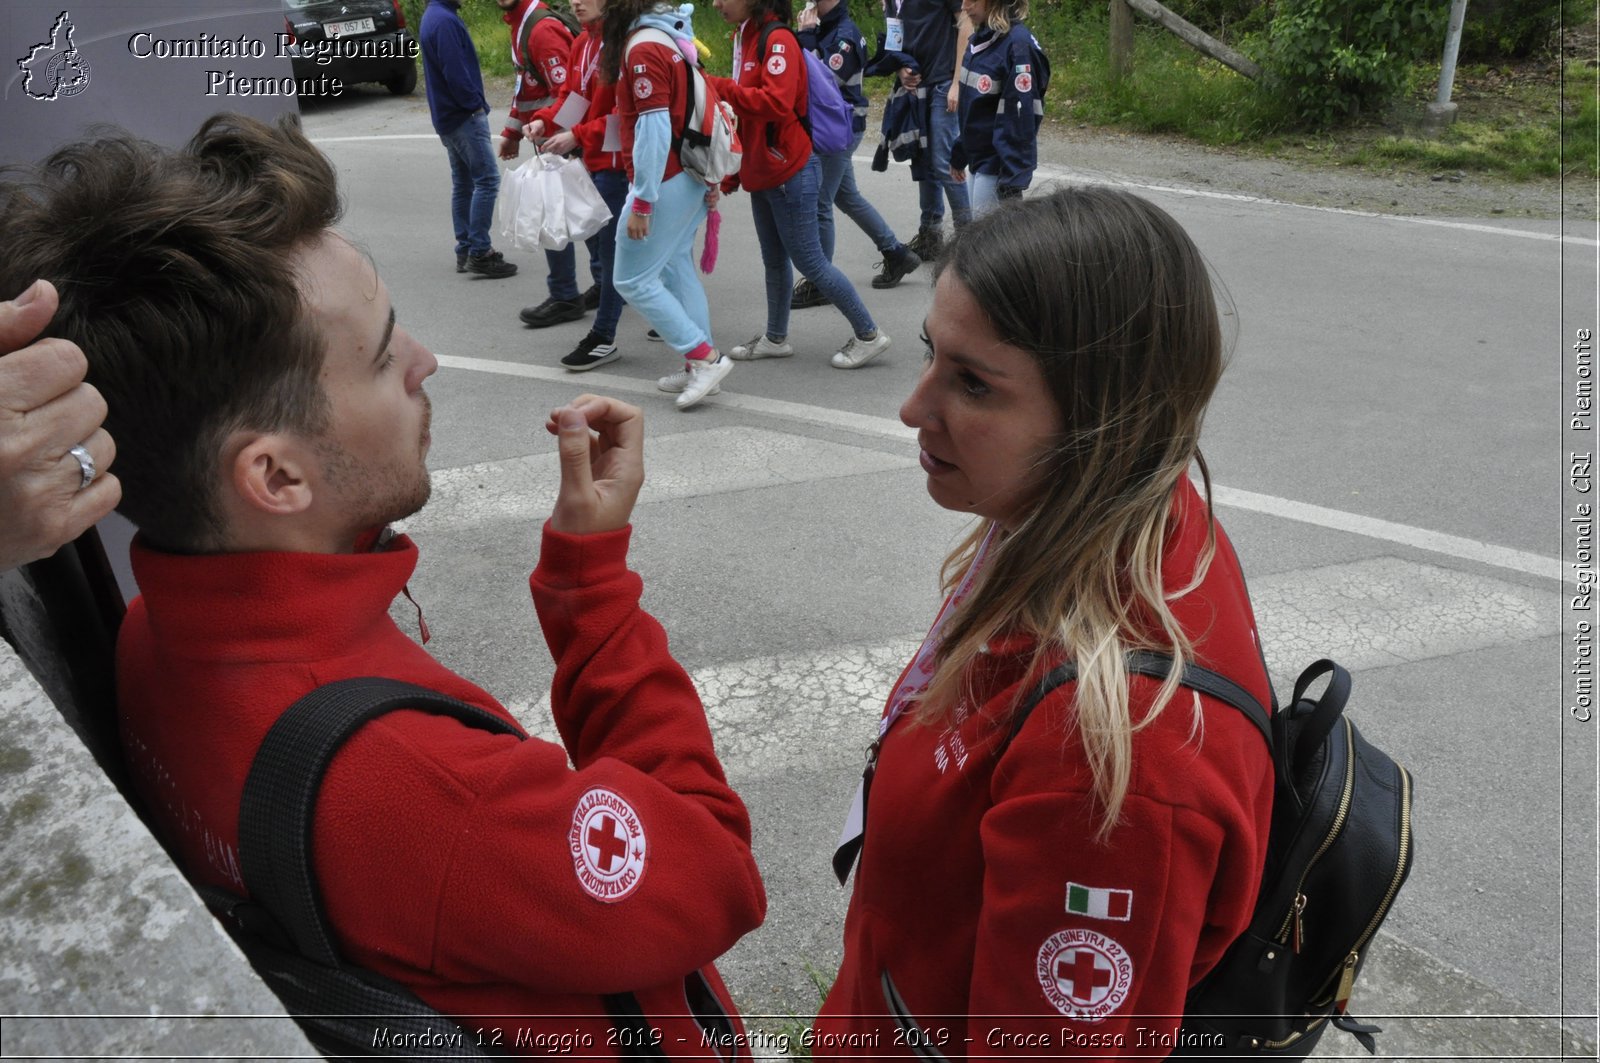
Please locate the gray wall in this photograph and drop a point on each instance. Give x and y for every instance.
(107, 949)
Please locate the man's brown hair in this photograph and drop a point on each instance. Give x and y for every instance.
(177, 277)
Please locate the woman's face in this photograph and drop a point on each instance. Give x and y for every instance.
(982, 410)
(734, 11)
(977, 11)
(588, 10)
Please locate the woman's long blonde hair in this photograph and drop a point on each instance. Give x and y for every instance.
(1002, 13)
(1113, 298)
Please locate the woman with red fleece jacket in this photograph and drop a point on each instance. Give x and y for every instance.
(779, 170)
(584, 113)
(1052, 885)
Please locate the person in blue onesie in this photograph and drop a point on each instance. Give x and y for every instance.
(654, 267)
(1004, 74)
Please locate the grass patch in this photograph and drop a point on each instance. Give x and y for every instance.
(794, 1028)
(1172, 88)
(1513, 122)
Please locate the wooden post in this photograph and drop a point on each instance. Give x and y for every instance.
(1121, 40)
(1191, 35)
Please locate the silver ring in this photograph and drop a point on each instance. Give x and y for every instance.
(85, 465)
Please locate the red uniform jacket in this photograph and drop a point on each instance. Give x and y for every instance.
(584, 79)
(541, 70)
(982, 894)
(478, 870)
(652, 80)
(768, 93)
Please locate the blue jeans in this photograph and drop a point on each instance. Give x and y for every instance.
(613, 188)
(786, 226)
(985, 192)
(838, 189)
(944, 128)
(474, 183)
(657, 275)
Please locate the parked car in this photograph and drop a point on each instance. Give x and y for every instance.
(353, 40)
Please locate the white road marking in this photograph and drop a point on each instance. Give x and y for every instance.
(1062, 173)
(1436, 542)
(682, 465)
(785, 712)
(1241, 197)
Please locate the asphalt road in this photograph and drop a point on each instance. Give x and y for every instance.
(1388, 441)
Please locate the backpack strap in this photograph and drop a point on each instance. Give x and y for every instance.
(280, 793)
(537, 14)
(693, 102)
(805, 97)
(1159, 666)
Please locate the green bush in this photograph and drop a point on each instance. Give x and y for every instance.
(1503, 29)
(1329, 59)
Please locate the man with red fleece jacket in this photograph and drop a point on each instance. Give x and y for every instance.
(271, 422)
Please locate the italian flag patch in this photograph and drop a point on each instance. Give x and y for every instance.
(1099, 903)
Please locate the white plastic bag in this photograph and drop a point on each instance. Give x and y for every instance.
(519, 209)
(548, 202)
(585, 211)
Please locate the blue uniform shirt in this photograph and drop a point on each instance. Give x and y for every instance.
(1003, 80)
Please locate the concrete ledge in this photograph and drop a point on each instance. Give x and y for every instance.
(108, 952)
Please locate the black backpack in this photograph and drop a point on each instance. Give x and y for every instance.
(345, 1011)
(1339, 850)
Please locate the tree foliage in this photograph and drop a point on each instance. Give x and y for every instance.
(1329, 59)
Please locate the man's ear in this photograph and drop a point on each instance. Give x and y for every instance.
(270, 474)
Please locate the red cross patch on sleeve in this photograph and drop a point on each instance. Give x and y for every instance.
(835, 61)
(608, 845)
(776, 65)
(1084, 975)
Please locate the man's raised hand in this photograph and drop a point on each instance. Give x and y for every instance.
(602, 463)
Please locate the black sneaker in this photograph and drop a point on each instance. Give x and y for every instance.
(927, 243)
(654, 337)
(591, 298)
(491, 264)
(590, 352)
(805, 295)
(896, 264)
(551, 312)
(461, 261)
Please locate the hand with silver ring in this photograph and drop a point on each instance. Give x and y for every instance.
(48, 415)
(86, 468)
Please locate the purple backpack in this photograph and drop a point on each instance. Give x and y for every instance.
(827, 117)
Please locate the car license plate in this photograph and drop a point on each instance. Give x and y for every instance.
(344, 29)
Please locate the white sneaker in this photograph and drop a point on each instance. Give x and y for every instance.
(704, 377)
(858, 352)
(673, 383)
(760, 347)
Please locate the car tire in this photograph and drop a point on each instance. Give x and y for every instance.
(403, 84)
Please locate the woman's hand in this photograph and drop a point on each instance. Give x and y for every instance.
(562, 143)
(638, 226)
(909, 78)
